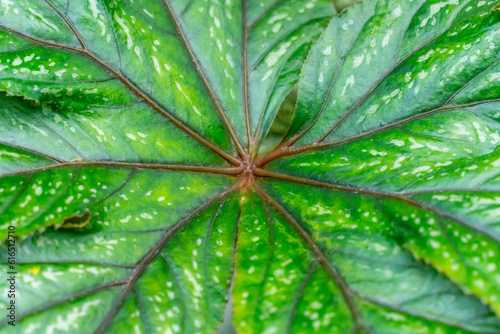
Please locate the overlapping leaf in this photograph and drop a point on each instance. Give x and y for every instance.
(129, 163)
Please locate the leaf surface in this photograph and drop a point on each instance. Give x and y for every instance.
(130, 166)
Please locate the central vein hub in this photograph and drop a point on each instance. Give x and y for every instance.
(248, 167)
(246, 176)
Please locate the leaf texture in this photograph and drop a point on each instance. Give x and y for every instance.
(130, 166)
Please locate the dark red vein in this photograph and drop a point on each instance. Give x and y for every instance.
(301, 133)
(233, 269)
(110, 22)
(277, 77)
(201, 169)
(186, 8)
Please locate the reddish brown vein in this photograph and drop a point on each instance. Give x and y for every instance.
(202, 169)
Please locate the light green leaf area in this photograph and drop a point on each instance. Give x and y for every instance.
(101, 134)
(122, 198)
(139, 192)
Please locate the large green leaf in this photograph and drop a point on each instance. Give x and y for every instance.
(130, 166)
